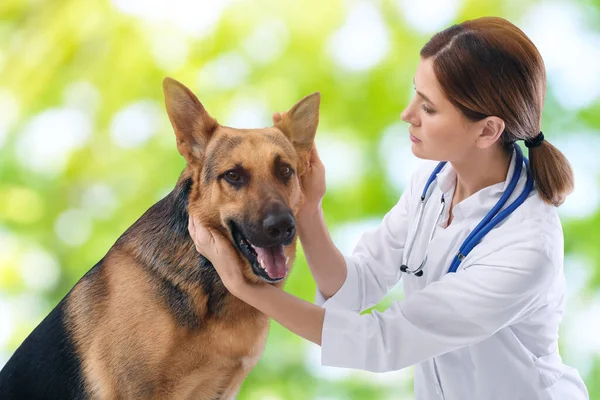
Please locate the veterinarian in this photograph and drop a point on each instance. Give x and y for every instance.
(476, 241)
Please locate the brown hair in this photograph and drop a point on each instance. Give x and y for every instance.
(488, 66)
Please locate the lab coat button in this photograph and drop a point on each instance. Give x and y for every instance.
(438, 391)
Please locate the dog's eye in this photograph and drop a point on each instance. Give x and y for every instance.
(285, 171)
(233, 176)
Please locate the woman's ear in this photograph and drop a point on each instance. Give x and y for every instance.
(491, 128)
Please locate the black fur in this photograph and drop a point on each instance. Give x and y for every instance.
(179, 303)
(169, 255)
(46, 365)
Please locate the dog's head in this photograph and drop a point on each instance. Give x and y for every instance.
(246, 181)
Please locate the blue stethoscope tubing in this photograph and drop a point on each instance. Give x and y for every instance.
(491, 219)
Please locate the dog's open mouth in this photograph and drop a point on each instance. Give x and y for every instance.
(268, 263)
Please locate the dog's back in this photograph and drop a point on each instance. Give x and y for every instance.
(145, 317)
(164, 316)
(46, 365)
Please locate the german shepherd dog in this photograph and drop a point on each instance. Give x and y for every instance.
(152, 319)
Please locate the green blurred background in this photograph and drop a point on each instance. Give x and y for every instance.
(86, 146)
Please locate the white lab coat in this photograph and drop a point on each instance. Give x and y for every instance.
(488, 331)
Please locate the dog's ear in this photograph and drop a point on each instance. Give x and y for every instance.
(299, 124)
(193, 126)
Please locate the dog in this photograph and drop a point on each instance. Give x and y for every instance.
(152, 319)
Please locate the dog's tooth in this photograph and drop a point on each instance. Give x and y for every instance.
(287, 259)
(262, 263)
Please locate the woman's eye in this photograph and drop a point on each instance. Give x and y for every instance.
(232, 176)
(426, 109)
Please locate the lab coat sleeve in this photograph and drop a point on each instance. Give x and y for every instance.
(461, 309)
(374, 266)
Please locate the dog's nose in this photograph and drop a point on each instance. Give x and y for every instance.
(280, 226)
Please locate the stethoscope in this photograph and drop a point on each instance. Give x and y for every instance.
(492, 218)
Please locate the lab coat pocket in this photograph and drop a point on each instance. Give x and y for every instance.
(550, 367)
(525, 368)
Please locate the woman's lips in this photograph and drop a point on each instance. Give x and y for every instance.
(414, 139)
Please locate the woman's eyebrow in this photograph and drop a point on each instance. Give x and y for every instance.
(422, 95)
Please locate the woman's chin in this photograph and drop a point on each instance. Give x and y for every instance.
(417, 150)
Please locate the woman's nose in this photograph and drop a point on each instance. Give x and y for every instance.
(408, 115)
(404, 115)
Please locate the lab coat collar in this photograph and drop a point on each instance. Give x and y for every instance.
(470, 206)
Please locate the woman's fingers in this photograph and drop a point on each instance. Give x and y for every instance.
(277, 117)
(203, 237)
(314, 155)
(209, 242)
(191, 227)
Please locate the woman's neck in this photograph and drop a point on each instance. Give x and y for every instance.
(482, 169)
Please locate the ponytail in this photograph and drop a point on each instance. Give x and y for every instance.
(551, 172)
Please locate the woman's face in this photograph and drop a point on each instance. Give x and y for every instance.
(439, 131)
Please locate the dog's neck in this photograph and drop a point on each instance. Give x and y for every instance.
(160, 241)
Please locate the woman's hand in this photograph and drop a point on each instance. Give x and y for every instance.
(220, 252)
(313, 181)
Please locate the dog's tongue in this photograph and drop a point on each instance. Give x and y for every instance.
(273, 260)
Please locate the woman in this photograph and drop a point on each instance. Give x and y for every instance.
(487, 327)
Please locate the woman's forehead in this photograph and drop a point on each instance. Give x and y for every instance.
(425, 76)
(427, 83)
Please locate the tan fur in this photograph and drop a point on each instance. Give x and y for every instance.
(156, 356)
(130, 344)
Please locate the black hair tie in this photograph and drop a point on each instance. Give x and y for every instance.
(535, 142)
